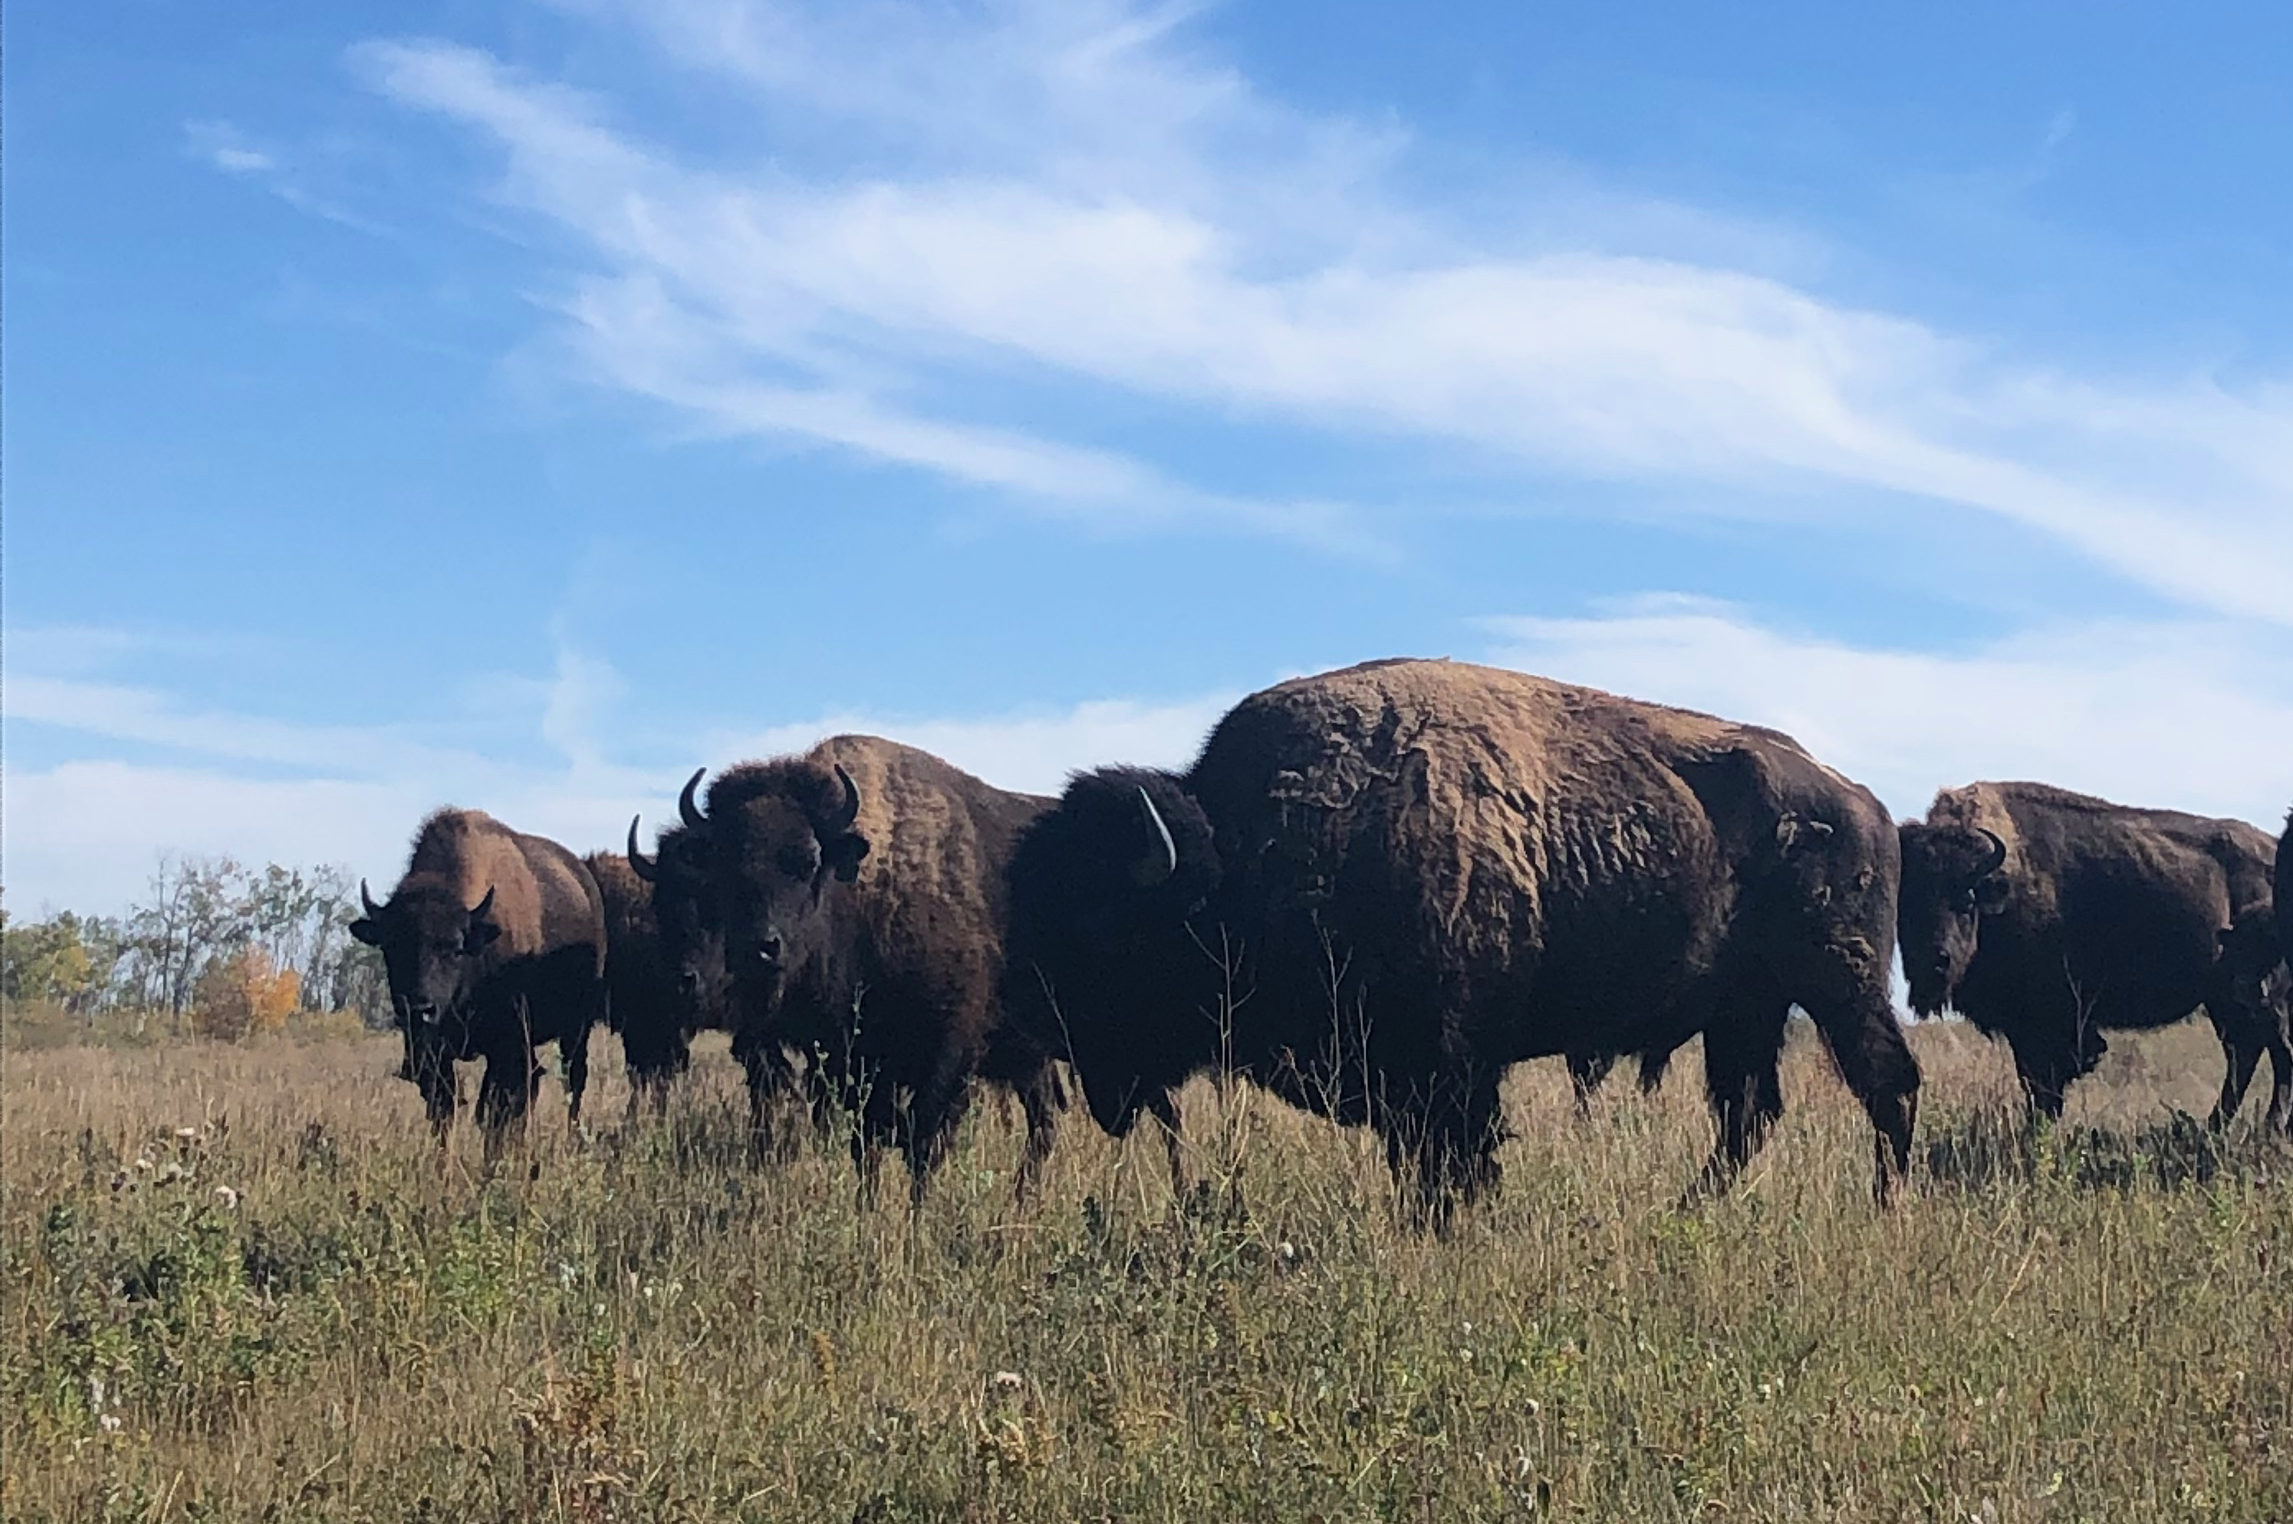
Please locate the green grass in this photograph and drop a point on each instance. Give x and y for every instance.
(291, 1310)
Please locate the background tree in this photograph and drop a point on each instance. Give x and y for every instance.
(200, 915)
(243, 994)
(51, 960)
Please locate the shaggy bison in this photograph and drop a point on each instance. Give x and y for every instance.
(2048, 918)
(2284, 888)
(494, 942)
(860, 887)
(645, 1007)
(676, 986)
(1378, 888)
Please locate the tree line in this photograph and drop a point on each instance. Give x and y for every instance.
(213, 946)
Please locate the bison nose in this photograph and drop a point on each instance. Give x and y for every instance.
(689, 980)
(424, 1011)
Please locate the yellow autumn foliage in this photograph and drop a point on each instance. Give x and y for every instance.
(244, 994)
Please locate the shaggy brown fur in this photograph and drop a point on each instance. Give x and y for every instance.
(529, 971)
(875, 948)
(2101, 916)
(1433, 870)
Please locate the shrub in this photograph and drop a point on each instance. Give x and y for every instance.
(242, 995)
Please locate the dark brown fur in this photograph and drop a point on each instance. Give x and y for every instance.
(644, 1005)
(2100, 917)
(1426, 871)
(877, 949)
(2284, 889)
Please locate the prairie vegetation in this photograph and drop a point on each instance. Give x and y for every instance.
(239, 1284)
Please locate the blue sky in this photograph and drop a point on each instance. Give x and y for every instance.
(519, 405)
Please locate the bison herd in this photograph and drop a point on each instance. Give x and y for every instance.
(1374, 891)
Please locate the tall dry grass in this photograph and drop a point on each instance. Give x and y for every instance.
(239, 1284)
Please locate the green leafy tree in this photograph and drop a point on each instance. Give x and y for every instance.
(49, 960)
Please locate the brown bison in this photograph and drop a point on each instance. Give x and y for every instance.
(1379, 888)
(2284, 888)
(674, 983)
(494, 942)
(643, 1005)
(2049, 918)
(860, 888)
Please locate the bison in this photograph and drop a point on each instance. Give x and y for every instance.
(860, 887)
(1378, 888)
(2284, 888)
(676, 984)
(2048, 918)
(494, 942)
(644, 1006)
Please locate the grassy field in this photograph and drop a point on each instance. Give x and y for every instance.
(239, 1284)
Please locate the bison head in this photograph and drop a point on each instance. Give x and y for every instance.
(432, 947)
(1952, 877)
(1103, 960)
(773, 853)
(685, 914)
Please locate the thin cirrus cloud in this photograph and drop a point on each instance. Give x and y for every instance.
(1018, 168)
(230, 150)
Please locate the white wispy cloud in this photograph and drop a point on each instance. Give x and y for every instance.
(231, 150)
(1070, 190)
(84, 833)
(2195, 716)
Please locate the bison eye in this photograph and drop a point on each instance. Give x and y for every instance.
(1966, 902)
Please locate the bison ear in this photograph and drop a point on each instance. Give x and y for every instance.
(1990, 894)
(843, 855)
(366, 931)
(480, 936)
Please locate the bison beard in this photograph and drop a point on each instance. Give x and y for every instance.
(861, 890)
(1395, 881)
(2048, 918)
(494, 942)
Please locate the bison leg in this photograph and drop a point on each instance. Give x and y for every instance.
(1441, 1145)
(505, 1092)
(433, 1075)
(1652, 1067)
(575, 1051)
(2046, 1069)
(1741, 1050)
(1039, 1098)
(1163, 1107)
(928, 1122)
(2239, 1055)
(875, 1126)
(1585, 1072)
(2280, 1083)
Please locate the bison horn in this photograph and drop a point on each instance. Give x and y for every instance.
(1154, 866)
(367, 900)
(478, 911)
(637, 862)
(849, 811)
(688, 811)
(1997, 858)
